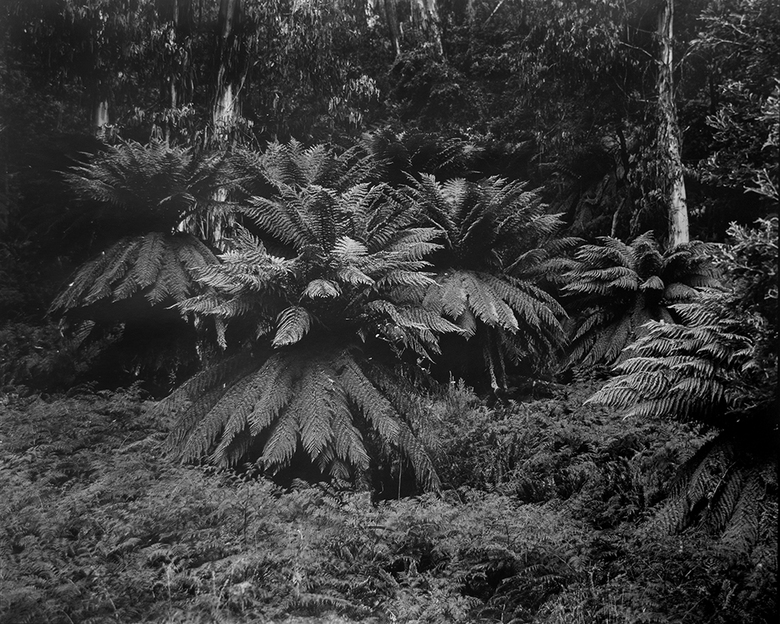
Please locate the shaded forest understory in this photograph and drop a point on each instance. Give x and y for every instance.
(553, 513)
(389, 311)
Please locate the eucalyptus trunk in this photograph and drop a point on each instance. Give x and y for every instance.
(426, 14)
(226, 107)
(669, 136)
(391, 14)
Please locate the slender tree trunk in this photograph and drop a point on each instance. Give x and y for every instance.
(225, 110)
(177, 17)
(391, 14)
(471, 17)
(426, 13)
(99, 114)
(669, 136)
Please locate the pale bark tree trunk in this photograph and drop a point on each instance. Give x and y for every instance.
(100, 116)
(175, 89)
(391, 15)
(426, 14)
(471, 17)
(226, 101)
(669, 136)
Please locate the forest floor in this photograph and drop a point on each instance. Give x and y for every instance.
(548, 515)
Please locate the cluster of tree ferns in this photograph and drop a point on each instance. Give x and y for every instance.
(311, 209)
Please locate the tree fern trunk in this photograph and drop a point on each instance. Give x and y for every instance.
(669, 138)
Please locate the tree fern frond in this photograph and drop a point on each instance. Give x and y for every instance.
(376, 408)
(321, 289)
(317, 398)
(347, 440)
(282, 441)
(231, 408)
(292, 325)
(419, 458)
(184, 402)
(162, 267)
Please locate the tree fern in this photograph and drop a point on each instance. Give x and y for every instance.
(342, 283)
(615, 288)
(485, 272)
(295, 166)
(140, 188)
(156, 206)
(158, 266)
(716, 368)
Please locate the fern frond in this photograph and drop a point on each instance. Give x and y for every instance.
(162, 267)
(322, 289)
(282, 440)
(198, 395)
(292, 325)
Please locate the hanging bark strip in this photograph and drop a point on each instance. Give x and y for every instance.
(669, 137)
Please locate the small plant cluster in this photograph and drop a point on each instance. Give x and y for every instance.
(606, 471)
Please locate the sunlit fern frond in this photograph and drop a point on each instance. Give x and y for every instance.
(697, 371)
(501, 304)
(296, 166)
(488, 225)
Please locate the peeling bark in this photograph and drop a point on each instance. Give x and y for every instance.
(426, 14)
(225, 110)
(669, 136)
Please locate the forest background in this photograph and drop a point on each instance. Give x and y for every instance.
(509, 267)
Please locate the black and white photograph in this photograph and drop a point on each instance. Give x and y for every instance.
(389, 311)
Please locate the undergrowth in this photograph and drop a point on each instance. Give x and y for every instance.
(541, 522)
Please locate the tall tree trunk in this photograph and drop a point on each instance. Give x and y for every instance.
(177, 16)
(426, 14)
(99, 113)
(669, 136)
(391, 14)
(225, 110)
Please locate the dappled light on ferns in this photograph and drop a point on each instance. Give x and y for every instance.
(615, 288)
